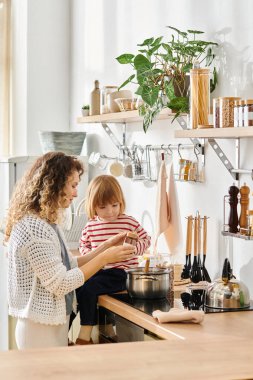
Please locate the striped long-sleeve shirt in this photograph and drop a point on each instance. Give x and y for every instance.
(96, 232)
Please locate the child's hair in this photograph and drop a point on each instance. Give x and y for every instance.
(102, 190)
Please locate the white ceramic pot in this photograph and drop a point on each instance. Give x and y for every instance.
(85, 112)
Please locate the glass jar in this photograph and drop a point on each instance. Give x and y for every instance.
(216, 112)
(249, 214)
(227, 111)
(248, 113)
(236, 113)
(199, 97)
(241, 113)
(106, 90)
(186, 169)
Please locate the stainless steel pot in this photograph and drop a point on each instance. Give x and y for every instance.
(152, 284)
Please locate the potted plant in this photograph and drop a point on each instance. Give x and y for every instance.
(85, 110)
(161, 71)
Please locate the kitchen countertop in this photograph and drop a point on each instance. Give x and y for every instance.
(240, 323)
(228, 357)
(219, 348)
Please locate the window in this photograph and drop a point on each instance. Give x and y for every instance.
(4, 77)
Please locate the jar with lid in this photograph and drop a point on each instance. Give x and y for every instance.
(227, 111)
(131, 238)
(186, 168)
(106, 90)
(216, 112)
(248, 113)
(236, 113)
(199, 97)
(241, 113)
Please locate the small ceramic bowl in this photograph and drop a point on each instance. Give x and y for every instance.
(125, 104)
(112, 104)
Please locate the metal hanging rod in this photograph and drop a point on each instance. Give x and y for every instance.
(173, 146)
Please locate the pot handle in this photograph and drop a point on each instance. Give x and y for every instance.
(146, 278)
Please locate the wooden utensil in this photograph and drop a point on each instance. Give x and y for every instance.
(205, 274)
(195, 270)
(146, 269)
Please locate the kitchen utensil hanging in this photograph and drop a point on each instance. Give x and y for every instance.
(195, 269)
(205, 274)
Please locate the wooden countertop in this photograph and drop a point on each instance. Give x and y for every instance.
(220, 348)
(215, 325)
(223, 358)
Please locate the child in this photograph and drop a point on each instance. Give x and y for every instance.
(105, 206)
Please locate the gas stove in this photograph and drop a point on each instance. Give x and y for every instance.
(191, 301)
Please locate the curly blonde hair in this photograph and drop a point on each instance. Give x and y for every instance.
(102, 190)
(40, 189)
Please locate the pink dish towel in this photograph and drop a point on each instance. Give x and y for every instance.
(168, 220)
(179, 315)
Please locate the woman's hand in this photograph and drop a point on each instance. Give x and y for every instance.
(120, 253)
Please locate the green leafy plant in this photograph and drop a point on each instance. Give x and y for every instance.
(85, 107)
(161, 71)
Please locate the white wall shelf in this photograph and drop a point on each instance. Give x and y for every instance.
(122, 117)
(217, 133)
(222, 133)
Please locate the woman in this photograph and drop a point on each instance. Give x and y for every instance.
(42, 273)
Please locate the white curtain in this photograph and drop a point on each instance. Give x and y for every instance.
(4, 77)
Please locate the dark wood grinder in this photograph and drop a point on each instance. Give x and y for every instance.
(233, 215)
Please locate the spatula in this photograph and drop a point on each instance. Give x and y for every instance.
(186, 270)
(195, 270)
(205, 274)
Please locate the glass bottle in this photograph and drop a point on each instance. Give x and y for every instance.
(95, 100)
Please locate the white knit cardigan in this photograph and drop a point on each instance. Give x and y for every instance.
(37, 278)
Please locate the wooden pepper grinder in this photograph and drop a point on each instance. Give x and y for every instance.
(233, 216)
(244, 200)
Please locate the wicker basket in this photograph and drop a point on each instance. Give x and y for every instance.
(66, 142)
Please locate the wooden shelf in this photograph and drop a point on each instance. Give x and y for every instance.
(216, 133)
(122, 117)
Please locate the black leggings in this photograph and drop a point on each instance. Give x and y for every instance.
(105, 281)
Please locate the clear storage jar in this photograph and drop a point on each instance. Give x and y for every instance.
(241, 113)
(216, 112)
(227, 111)
(199, 97)
(106, 90)
(248, 113)
(236, 113)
